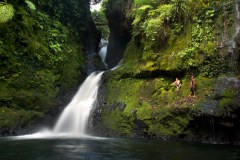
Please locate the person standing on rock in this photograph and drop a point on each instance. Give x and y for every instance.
(193, 87)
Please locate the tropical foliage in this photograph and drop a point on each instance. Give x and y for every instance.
(6, 12)
(170, 38)
(101, 22)
(30, 5)
(42, 56)
(160, 24)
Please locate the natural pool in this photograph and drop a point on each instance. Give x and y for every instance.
(112, 148)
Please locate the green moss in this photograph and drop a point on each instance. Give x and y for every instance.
(124, 90)
(168, 122)
(169, 59)
(225, 102)
(10, 117)
(155, 102)
(145, 111)
(230, 93)
(117, 121)
(225, 106)
(131, 58)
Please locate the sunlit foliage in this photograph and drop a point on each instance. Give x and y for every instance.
(30, 5)
(6, 12)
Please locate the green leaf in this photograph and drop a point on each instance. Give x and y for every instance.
(6, 12)
(30, 5)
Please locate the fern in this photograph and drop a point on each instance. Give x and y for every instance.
(6, 12)
(30, 5)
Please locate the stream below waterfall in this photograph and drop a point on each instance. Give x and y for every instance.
(111, 148)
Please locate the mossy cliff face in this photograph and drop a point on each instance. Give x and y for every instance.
(42, 53)
(137, 99)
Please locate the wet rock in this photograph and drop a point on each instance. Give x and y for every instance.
(94, 63)
(139, 127)
(226, 94)
(120, 33)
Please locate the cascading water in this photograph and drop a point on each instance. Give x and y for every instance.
(73, 120)
(234, 46)
(103, 42)
(103, 53)
(230, 42)
(103, 50)
(237, 22)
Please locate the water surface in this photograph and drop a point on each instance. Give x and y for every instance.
(102, 148)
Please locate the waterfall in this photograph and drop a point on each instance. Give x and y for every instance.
(74, 118)
(233, 48)
(103, 42)
(103, 53)
(230, 42)
(238, 18)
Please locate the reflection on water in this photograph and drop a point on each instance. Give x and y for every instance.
(97, 148)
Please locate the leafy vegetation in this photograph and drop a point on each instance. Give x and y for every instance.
(18, 116)
(162, 26)
(171, 38)
(6, 12)
(30, 5)
(42, 57)
(101, 22)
